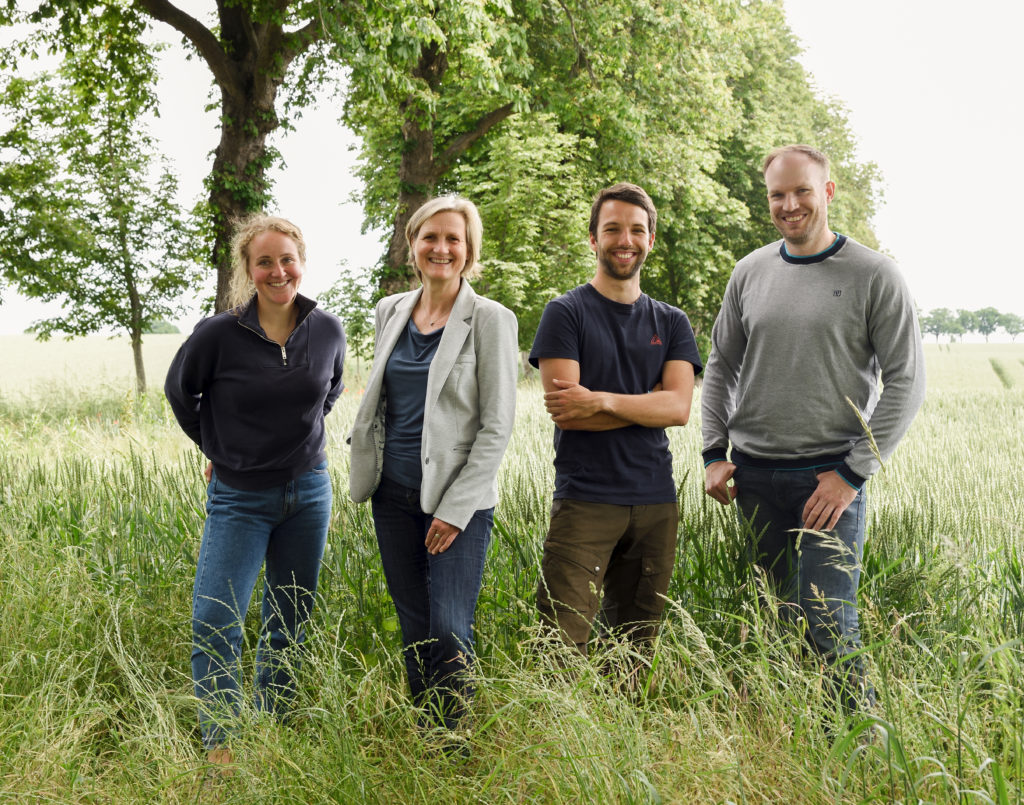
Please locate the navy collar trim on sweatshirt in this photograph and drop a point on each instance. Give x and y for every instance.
(809, 259)
(248, 314)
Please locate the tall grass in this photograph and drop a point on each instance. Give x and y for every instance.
(100, 515)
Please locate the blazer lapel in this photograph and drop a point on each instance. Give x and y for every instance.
(454, 336)
(393, 327)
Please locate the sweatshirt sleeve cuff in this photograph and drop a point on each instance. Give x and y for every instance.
(713, 454)
(851, 478)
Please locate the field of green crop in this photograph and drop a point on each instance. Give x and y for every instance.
(100, 516)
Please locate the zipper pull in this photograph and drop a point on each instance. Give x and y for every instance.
(284, 356)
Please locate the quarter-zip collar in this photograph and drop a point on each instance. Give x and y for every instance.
(248, 317)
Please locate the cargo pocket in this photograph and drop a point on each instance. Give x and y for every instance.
(571, 578)
(655, 575)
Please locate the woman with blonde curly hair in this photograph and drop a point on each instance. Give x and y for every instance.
(251, 387)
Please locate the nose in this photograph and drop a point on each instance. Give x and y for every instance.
(789, 201)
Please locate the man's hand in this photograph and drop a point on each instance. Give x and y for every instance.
(716, 477)
(571, 401)
(440, 536)
(824, 508)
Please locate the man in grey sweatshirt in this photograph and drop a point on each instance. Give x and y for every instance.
(807, 327)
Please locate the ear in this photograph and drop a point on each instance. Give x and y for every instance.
(830, 191)
(593, 243)
(651, 244)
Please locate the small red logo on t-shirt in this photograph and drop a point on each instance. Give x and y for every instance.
(655, 341)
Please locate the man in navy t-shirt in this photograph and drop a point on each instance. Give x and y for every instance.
(617, 368)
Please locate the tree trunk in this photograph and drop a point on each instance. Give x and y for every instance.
(140, 367)
(135, 317)
(416, 180)
(249, 57)
(238, 181)
(423, 165)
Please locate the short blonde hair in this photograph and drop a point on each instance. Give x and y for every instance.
(242, 288)
(809, 151)
(474, 230)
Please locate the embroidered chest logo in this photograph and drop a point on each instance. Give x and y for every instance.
(655, 341)
(837, 292)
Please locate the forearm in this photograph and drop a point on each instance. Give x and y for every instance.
(596, 422)
(658, 409)
(889, 422)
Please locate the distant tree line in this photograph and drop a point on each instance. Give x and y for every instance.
(958, 323)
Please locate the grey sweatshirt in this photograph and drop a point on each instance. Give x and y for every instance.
(795, 337)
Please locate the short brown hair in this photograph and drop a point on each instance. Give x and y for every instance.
(241, 288)
(809, 151)
(474, 230)
(631, 194)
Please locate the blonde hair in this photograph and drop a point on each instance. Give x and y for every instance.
(474, 230)
(809, 151)
(242, 288)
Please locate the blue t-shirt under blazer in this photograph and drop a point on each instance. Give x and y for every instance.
(256, 409)
(405, 384)
(621, 349)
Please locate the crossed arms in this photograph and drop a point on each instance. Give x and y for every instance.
(574, 407)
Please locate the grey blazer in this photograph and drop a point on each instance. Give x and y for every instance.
(469, 408)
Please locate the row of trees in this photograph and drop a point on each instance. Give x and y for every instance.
(526, 106)
(956, 324)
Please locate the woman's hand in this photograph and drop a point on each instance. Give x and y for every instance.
(440, 535)
(208, 471)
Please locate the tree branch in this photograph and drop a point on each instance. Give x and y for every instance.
(581, 55)
(224, 71)
(461, 144)
(298, 41)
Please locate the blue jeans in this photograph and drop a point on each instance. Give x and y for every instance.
(435, 596)
(816, 573)
(286, 527)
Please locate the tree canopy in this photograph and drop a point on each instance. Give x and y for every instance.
(253, 50)
(528, 108)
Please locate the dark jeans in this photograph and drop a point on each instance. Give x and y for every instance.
(816, 573)
(435, 596)
(286, 527)
(626, 551)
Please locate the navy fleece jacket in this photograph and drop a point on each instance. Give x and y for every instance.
(256, 409)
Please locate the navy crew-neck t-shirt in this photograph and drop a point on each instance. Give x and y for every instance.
(620, 349)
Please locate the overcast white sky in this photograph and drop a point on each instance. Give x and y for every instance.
(933, 92)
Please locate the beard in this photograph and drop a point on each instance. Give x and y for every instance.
(813, 227)
(613, 270)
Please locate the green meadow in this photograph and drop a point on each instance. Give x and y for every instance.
(101, 510)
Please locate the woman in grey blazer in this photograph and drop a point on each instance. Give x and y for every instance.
(426, 444)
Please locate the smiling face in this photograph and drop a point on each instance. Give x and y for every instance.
(275, 267)
(799, 192)
(440, 248)
(623, 239)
